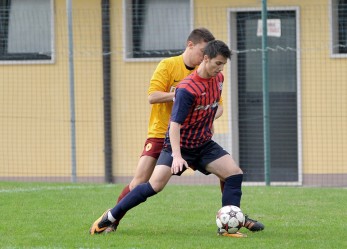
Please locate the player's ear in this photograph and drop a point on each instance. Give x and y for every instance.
(190, 44)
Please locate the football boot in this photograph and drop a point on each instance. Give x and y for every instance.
(253, 225)
(101, 224)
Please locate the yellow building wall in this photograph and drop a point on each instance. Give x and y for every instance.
(324, 101)
(87, 23)
(35, 125)
(130, 81)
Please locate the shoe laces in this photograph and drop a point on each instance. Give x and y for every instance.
(249, 219)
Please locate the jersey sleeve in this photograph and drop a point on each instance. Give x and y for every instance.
(160, 79)
(182, 105)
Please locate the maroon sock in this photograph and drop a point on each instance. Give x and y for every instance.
(125, 191)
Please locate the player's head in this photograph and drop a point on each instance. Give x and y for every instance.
(196, 42)
(200, 35)
(215, 48)
(216, 55)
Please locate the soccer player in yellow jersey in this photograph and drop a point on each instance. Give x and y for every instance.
(169, 72)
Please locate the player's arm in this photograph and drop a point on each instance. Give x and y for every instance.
(160, 97)
(218, 114)
(219, 111)
(180, 110)
(159, 89)
(178, 162)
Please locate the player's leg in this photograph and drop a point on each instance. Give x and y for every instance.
(132, 199)
(146, 164)
(221, 185)
(143, 172)
(228, 171)
(161, 175)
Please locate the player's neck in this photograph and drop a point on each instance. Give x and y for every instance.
(203, 73)
(186, 61)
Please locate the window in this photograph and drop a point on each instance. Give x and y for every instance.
(25, 30)
(156, 28)
(339, 26)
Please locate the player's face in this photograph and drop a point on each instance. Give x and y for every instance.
(215, 65)
(197, 53)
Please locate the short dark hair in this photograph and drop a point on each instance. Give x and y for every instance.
(217, 47)
(200, 35)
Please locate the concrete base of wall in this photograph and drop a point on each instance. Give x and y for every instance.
(325, 180)
(309, 180)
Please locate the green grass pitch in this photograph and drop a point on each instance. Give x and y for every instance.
(43, 215)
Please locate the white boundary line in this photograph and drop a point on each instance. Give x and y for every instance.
(44, 188)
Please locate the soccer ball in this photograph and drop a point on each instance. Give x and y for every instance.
(230, 219)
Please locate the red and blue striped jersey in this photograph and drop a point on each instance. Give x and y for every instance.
(195, 106)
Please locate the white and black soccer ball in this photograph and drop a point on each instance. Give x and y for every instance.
(230, 219)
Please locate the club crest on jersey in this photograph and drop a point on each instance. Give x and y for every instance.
(148, 147)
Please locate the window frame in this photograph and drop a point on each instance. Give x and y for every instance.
(19, 58)
(334, 30)
(127, 35)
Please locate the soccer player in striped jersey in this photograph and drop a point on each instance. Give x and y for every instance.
(168, 73)
(188, 140)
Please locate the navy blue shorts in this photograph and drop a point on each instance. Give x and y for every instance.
(197, 158)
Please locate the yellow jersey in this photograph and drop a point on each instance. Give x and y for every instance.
(169, 72)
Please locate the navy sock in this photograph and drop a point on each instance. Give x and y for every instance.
(134, 198)
(232, 190)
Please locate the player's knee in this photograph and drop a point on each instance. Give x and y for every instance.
(234, 181)
(231, 173)
(157, 187)
(146, 191)
(236, 171)
(135, 182)
(239, 171)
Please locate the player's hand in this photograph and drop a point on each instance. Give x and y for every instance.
(178, 164)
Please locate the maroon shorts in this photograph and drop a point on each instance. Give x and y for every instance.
(153, 147)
